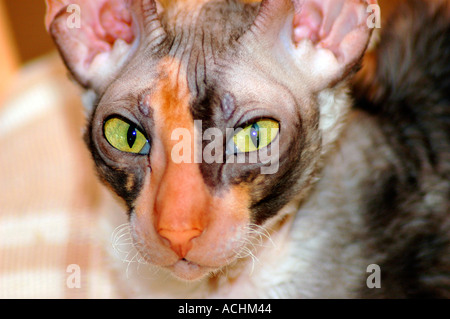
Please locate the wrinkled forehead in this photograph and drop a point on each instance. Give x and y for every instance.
(201, 40)
(198, 65)
(174, 93)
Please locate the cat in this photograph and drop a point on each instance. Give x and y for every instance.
(358, 187)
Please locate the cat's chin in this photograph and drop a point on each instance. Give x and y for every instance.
(189, 271)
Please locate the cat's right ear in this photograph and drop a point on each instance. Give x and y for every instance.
(323, 39)
(96, 37)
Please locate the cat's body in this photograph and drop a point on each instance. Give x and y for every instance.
(407, 206)
(344, 196)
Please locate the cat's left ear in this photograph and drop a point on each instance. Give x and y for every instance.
(97, 37)
(325, 39)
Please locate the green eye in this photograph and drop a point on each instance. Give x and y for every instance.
(126, 137)
(256, 136)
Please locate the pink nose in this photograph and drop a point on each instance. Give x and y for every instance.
(182, 204)
(180, 241)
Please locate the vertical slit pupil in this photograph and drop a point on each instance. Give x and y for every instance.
(254, 134)
(131, 135)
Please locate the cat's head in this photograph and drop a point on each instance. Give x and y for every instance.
(208, 117)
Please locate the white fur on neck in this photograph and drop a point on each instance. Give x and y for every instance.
(334, 105)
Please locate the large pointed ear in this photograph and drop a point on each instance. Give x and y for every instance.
(326, 38)
(96, 37)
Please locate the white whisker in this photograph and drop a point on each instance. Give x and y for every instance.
(256, 236)
(129, 263)
(130, 252)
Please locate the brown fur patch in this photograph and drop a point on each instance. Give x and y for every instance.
(130, 182)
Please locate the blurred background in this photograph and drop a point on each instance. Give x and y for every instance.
(50, 198)
(23, 37)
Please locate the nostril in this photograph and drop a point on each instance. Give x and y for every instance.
(179, 236)
(180, 241)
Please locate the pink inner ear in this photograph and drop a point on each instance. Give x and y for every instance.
(102, 21)
(331, 24)
(115, 19)
(308, 23)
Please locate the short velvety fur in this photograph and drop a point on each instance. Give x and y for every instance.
(407, 206)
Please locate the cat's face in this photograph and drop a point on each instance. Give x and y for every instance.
(201, 205)
(208, 130)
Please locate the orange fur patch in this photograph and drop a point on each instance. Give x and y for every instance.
(171, 102)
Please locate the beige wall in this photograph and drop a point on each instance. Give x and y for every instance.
(23, 37)
(9, 60)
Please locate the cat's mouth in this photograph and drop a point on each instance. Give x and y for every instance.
(188, 270)
(206, 257)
